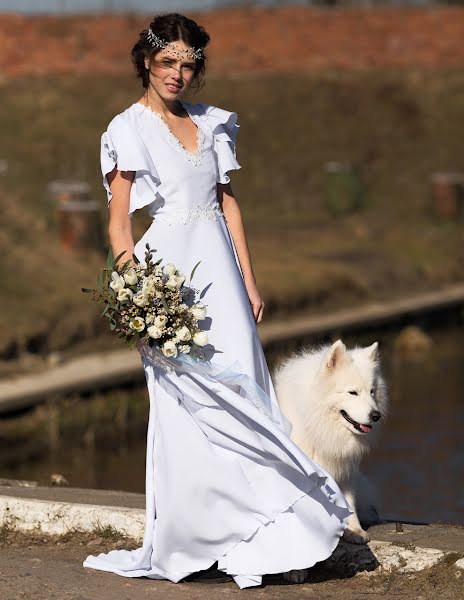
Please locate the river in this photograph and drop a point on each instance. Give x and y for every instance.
(418, 467)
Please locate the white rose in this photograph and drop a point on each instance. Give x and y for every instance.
(184, 348)
(161, 320)
(200, 338)
(154, 331)
(169, 348)
(183, 334)
(174, 282)
(130, 276)
(125, 295)
(170, 269)
(137, 324)
(140, 299)
(117, 282)
(198, 311)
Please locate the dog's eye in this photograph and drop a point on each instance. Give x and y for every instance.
(353, 392)
(372, 391)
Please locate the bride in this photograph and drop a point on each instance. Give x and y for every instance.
(224, 482)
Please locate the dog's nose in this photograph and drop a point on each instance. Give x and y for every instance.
(375, 415)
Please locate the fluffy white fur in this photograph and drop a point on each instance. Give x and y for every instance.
(315, 389)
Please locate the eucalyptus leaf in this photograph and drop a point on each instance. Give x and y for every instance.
(110, 257)
(116, 260)
(194, 269)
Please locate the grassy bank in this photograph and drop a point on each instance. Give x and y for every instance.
(399, 127)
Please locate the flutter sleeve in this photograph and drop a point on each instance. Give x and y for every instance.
(225, 129)
(121, 148)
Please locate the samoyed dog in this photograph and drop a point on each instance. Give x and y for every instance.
(336, 400)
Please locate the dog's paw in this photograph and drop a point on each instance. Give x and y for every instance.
(356, 536)
(296, 575)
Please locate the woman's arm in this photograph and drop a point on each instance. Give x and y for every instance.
(120, 225)
(234, 220)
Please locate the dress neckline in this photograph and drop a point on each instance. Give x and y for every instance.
(192, 156)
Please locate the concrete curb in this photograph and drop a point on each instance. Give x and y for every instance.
(58, 517)
(111, 368)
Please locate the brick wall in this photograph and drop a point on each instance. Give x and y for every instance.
(243, 40)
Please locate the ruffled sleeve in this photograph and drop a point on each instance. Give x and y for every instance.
(225, 129)
(121, 148)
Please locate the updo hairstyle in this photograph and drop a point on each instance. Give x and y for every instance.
(171, 27)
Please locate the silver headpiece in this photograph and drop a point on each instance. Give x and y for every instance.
(161, 43)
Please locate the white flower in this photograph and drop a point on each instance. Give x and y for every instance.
(154, 331)
(174, 282)
(149, 318)
(198, 311)
(200, 338)
(148, 284)
(125, 295)
(170, 269)
(161, 320)
(137, 324)
(140, 299)
(169, 348)
(130, 276)
(184, 348)
(117, 282)
(183, 334)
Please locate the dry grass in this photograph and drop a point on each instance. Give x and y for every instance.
(399, 127)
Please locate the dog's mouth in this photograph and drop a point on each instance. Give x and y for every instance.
(361, 427)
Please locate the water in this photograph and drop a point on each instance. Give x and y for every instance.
(418, 467)
(134, 6)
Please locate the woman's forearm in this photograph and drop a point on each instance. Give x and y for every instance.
(234, 220)
(121, 240)
(120, 225)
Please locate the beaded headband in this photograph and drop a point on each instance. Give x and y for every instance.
(161, 43)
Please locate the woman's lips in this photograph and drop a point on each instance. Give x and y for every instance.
(173, 88)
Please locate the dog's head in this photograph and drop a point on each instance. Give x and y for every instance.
(356, 391)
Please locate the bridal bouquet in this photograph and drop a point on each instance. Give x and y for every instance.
(151, 304)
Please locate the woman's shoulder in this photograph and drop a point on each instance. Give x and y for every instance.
(124, 121)
(219, 119)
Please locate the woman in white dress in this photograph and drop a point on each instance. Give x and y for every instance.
(224, 482)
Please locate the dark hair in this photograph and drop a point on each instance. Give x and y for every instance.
(171, 27)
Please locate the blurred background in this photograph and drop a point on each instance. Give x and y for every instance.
(352, 189)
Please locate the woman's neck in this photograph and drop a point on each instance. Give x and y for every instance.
(166, 108)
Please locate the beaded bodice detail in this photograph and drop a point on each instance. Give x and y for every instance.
(194, 157)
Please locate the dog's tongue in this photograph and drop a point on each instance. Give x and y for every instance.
(365, 428)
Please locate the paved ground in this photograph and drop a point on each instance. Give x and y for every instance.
(39, 568)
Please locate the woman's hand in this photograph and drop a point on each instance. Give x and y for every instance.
(256, 302)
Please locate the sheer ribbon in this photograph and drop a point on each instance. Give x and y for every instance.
(231, 376)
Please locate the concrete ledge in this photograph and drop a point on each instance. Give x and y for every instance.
(59, 510)
(109, 369)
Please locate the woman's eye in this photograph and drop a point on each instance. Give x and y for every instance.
(353, 392)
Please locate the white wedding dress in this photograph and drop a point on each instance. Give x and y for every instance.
(224, 482)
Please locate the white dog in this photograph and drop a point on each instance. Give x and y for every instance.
(334, 399)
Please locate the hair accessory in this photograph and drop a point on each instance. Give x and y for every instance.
(161, 43)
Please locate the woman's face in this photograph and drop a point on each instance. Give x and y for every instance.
(172, 70)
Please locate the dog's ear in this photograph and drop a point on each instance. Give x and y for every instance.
(373, 351)
(335, 355)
